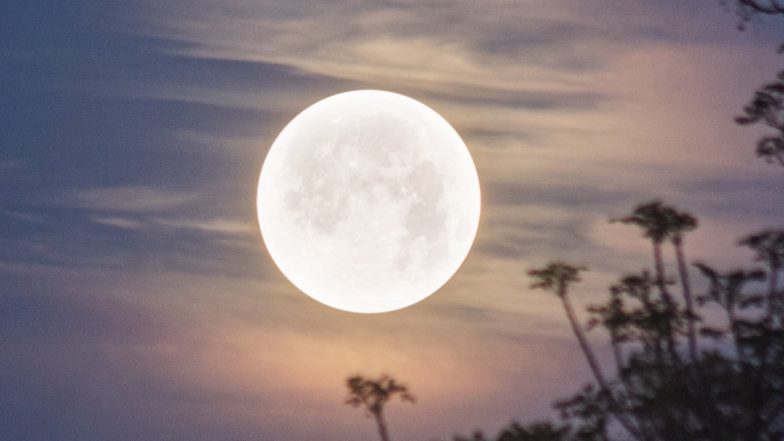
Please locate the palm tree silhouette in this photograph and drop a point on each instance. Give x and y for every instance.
(680, 223)
(556, 278)
(732, 390)
(767, 107)
(660, 222)
(373, 395)
(655, 221)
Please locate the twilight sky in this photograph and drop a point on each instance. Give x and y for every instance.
(138, 302)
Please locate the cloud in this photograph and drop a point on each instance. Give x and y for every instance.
(464, 43)
(219, 226)
(133, 199)
(24, 217)
(210, 226)
(119, 222)
(396, 44)
(571, 196)
(733, 198)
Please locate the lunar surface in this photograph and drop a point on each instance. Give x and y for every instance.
(368, 201)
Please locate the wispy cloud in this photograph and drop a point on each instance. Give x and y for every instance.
(220, 226)
(133, 199)
(216, 226)
(25, 217)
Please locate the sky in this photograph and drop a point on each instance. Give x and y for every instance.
(137, 300)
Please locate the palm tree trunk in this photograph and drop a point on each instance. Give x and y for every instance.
(382, 427)
(578, 332)
(700, 404)
(594, 365)
(713, 420)
(684, 276)
(661, 282)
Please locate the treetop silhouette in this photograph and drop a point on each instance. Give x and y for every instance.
(746, 9)
(373, 394)
(767, 107)
(676, 373)
(701, 366)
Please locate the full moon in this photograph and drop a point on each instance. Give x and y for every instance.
(368, 201)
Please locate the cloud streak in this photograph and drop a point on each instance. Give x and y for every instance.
(132, 199)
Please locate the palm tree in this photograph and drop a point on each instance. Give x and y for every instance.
(659, 223)
(373, 395)
(537, 431)
(655, 221)
(556, 278)
(680, 223)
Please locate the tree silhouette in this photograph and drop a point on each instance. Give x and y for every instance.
(680, 223)
(767, 107)
(373, 395)
(556, 278)
(729, 387)
(726, 290)
(729, 390)
(746, 9)
(769, 246)
(708, 366)
(654, 219)
(660, 222)
(763, 6)
(540, 431)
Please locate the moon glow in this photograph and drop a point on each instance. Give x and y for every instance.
(368, 201)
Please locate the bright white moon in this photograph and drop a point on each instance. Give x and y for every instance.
(368, 201)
